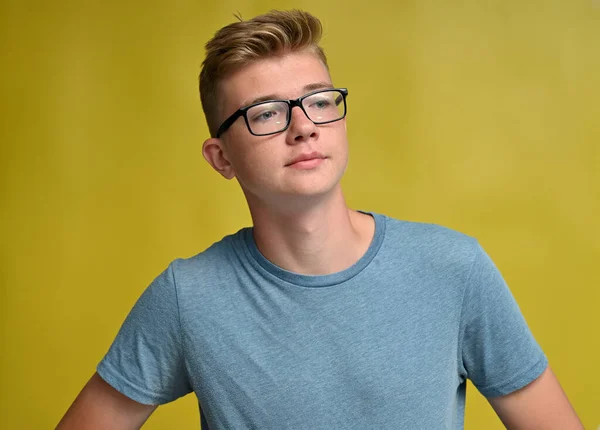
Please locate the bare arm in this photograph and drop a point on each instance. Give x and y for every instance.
(540, 405)
(100, 406)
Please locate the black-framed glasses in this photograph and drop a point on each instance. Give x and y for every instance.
(274, 116)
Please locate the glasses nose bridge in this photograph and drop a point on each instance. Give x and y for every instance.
(297, 103)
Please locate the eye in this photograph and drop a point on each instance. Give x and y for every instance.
(321, 104)
(267, 112)
(264, 116)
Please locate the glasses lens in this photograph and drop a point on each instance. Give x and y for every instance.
(325, 106)
(267, 118)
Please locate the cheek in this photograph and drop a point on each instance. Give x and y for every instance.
(253, 164)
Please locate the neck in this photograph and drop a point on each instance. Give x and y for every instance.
(319, 239)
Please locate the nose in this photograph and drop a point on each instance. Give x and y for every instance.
(301, 127)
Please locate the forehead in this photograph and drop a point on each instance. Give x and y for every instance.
(284, 77)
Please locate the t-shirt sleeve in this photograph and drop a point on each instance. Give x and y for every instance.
(146, 361)
(499, 353)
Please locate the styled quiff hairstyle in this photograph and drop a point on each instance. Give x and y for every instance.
(242, 43)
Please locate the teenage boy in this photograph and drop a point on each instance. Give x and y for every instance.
(318, 316)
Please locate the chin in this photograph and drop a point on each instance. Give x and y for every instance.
(299, 188)
(314, 189)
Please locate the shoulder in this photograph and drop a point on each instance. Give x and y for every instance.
(432, 243)
(215, 262)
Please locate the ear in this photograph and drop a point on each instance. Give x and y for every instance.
(212, 150)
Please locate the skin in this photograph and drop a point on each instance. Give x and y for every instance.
(99, 406)
(301, 221)
(302, 224)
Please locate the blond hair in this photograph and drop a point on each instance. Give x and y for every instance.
(241, 43)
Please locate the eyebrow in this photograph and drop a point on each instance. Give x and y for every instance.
(307, 89)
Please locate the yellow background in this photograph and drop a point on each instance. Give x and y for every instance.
(479, 115)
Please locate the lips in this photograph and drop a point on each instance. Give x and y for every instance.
(306, 157)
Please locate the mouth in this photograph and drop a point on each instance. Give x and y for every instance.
(307, 160)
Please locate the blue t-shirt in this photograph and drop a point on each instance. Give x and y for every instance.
(386, 344)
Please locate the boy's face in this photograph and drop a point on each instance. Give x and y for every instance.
(264, 165)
